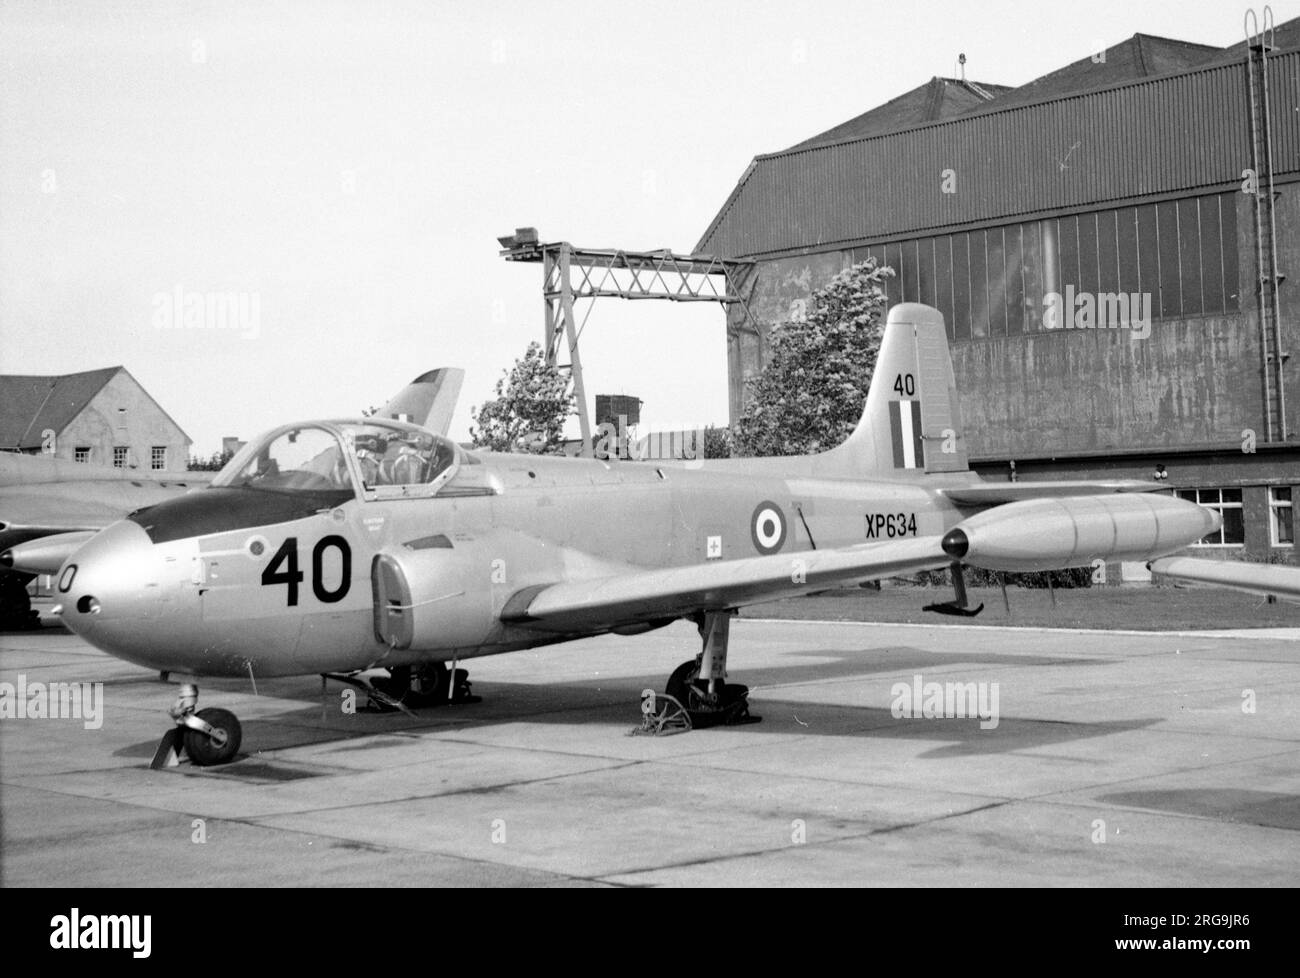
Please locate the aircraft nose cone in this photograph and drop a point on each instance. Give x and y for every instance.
(114, 576)
(955, 544)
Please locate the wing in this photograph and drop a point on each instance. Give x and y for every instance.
(26, 516)
(640, 596)
(57, 512)
(1282, 581)
(998, 493)
(28, 512)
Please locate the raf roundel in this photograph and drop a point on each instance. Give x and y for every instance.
(767, 528)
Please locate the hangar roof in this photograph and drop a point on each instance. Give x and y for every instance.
(1285, 36)
(1153, 116)
(1140, 56)
(939, 98)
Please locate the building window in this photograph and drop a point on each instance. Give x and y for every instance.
(1281, 526)
(81, 453)
(960, 328)
(1180, 255)
(158, 457)
(1227, 503)
(119, 457)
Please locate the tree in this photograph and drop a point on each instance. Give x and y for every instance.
(213, 463)
(529, 410)
(809, 396)
(717, 442)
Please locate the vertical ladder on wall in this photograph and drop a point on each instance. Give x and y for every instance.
(1273, 355)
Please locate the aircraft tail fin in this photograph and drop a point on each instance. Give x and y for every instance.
(911, 423)
(429, 400)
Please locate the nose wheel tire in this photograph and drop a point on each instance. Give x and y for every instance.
(209, 736)
(216, 747)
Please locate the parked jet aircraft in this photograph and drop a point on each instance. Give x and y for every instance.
(336, 547)
(49, 507)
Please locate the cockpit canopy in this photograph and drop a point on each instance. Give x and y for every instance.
(376, 459)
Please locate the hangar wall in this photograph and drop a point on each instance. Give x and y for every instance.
(1164, 215)
(1195, 380)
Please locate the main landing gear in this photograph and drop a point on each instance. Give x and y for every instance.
(700, 685)
(209, 736)
(431, 684)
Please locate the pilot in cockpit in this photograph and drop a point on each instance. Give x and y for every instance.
(407, 466)
(370, 458)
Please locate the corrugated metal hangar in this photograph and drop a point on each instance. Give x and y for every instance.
(1155, 172)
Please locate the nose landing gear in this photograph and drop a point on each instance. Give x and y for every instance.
(208, 736)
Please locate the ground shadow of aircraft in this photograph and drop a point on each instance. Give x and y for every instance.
(614, 702)
(1270, 809)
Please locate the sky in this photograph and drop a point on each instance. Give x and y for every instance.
(343, 169)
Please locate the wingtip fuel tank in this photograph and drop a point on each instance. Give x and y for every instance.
(1073, 531)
